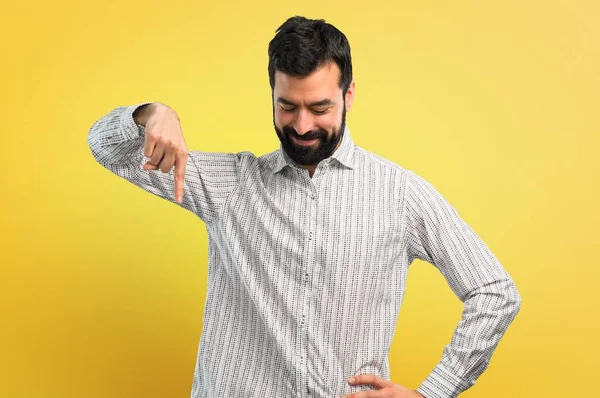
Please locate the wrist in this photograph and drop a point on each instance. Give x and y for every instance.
(142, 113)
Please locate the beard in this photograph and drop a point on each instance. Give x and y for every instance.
(312, 154)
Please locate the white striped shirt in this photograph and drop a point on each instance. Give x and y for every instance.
(306, 276)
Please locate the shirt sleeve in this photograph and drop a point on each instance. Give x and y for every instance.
(117, 143)
(438, 235)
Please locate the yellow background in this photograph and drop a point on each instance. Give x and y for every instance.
(495, 103)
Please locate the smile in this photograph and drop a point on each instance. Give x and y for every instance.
(304, 142)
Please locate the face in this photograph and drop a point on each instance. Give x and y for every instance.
(309, 113)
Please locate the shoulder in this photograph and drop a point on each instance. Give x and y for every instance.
(249, 162)
(372, 162)
(221, 158)
(269, 161)
(245, 160)
(268, 158)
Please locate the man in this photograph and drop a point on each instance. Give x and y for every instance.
(309, 245)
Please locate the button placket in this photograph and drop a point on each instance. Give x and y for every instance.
(311, 206)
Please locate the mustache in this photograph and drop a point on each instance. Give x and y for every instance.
(311, 135)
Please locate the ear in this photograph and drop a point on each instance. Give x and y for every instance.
(350, 95)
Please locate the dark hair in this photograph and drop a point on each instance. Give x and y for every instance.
(303, 45)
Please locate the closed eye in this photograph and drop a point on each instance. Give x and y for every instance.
(318, 112)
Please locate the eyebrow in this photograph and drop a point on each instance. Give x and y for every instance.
(322, 102)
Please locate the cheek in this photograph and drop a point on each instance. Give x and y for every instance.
(283, 119)
(328, 122)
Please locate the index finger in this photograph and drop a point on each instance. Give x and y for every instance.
(180, 163)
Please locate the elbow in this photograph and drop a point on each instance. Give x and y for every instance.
(96, 141)
(504, 295)
(93, 144)
(513, 299)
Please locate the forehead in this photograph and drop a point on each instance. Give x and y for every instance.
(321, 83)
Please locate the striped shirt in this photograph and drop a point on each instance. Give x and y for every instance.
(306, 276)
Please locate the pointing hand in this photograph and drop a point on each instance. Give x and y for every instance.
(164, 143)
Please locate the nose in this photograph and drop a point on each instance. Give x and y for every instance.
(304, 122)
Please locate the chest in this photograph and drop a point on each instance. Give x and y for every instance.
(344, 223)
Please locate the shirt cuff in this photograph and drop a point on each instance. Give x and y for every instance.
(442, 383)
(128, 125)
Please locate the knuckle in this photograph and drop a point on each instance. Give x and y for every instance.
(152, 135)
(173, 113)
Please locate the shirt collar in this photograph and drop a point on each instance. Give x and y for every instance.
(344, 154)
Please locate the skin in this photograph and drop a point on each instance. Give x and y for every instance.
(294, 101)
(294, 105)
(164, 143)
(385, 388)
